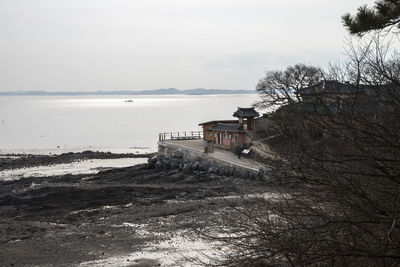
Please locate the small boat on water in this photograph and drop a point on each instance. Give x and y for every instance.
(129, 101)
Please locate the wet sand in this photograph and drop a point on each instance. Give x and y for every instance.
(131, 216)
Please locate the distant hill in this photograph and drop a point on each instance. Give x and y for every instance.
(169, 91)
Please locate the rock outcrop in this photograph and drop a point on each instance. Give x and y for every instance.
(177, 161)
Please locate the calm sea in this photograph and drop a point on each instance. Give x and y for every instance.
(47, 122)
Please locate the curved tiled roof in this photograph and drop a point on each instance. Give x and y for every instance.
(219, 121)
(246, 113)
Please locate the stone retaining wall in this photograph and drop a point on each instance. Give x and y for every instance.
(189, 160)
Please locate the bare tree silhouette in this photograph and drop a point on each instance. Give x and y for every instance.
(336, 167)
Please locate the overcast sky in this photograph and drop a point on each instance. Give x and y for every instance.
(85, 45)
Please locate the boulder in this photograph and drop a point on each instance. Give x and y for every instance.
(166, 163)
(187, 168)
(231, 170)
(222, 171)
(213, 167)
(244, 173)
(175, 163)
(195, 165)
(236, 173)
(187, 161)
(226, 171)
(260, 174)
(204, 164)
(252, 175)
(177, 154)
(158, 165)
(151, 162)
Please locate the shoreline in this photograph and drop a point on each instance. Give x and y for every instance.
(17, 161)
(63, 150)
(126, 215)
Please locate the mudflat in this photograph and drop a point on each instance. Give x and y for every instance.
(122, 216)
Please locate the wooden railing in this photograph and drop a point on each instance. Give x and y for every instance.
(192, 135)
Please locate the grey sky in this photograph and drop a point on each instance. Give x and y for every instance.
(88, 45)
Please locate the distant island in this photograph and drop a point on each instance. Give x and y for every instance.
(169, 91)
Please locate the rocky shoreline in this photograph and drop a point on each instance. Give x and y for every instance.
(177, 162)
(67, 220)
(12, 161)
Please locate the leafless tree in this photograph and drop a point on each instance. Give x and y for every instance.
(336, 161)
(279, 88)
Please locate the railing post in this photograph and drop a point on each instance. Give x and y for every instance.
(186, 135)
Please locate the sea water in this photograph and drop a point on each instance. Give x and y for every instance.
(75, 123)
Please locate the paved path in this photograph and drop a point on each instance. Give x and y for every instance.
(219, 154)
